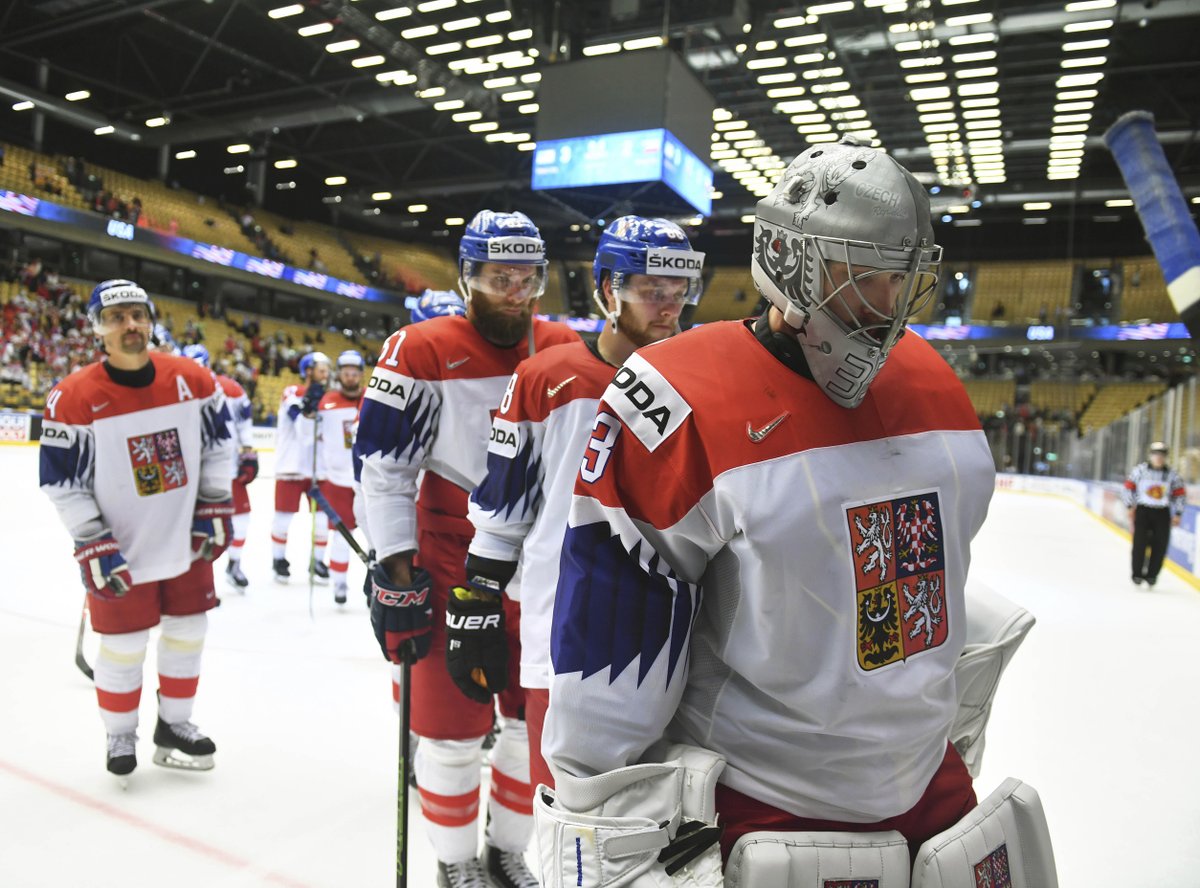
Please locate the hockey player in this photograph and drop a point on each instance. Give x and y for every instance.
(428, 407)
(245, 462)
(136, 457)
(339, 414)
(538, 440)
(295, 453)
(766, 556)
(1155, 496)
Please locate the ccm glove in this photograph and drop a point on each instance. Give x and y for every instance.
(102, 566)
(247, 467)
(402, 616)
(476, 647)
(212, 529)
(312, 397)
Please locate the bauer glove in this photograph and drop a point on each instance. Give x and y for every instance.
(102, 567)
(476, 647)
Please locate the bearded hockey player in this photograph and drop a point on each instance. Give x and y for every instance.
(295, 458)
(339, 414)
(245, 462)
(645, 272)
(429, 407)
(136, 456)
(760, 607)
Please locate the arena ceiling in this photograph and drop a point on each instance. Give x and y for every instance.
(434, 102)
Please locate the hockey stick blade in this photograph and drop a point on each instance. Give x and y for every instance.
(80, 660)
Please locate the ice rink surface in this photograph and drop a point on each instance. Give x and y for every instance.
(1098, 711)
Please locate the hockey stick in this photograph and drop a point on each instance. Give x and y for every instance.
(80, 659)
(312, 508)
(339, 525)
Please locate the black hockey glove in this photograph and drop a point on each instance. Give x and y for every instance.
(247, 468)
(476, 647)
(402, 616)
(312, 397)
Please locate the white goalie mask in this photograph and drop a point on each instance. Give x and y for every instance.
(843, 247)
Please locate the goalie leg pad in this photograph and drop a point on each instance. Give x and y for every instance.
(818, 860)
(1004, 841)
(646, 826)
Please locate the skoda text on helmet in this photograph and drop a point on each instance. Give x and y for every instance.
(351, 358)
(503, 239)
(116, 292)
(197, 353)
(307, 362)
(657, 248)
(853, 210)
(436, 304)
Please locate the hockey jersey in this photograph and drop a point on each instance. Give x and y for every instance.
(1156, 488)
(339, 416)
(520, 509)
(241, 414)
(295, 436)
(429, 405)
(750, 568)
(134, 460)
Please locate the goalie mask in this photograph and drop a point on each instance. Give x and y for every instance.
(844, 248)
(648, 260)
(506, 239)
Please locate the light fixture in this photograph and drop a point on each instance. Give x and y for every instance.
(776, 78)
(381, 195)
(968, 39)
(288, 163)
(154, 122)
(455, 220)
(1098, 25)
(443, 48)
(484, 127)
(642, 43)
(1031, 205)
(830, 8)
(448, 105)
(342, 45)
(519, 95)
(335, 180)
(1034, 220)
(386, 15)
(1085, 5)
(419, 31)
(187, 154)
(239, 148)
(285, 11)
(929, 92)
(961, 21)
(523, 34)
(22, 106)
(487, 40)
(1082, 45)
(966, 57)
(104, 130)
(435, 5)
(1119, 202)
(460, 24)
(314, 30)
(1085, 62)
(804, 40)
(417, 208)
(78, 95)
(971, 73)
(501, 15)
(368, 61)
(464, 116)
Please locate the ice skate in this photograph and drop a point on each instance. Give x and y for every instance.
(234, 575)
(183, 747)
(1137, 581)
(320, 571)
(468, 874)
(122, 756)
(280, 568)
(507, 869)
(339, 592)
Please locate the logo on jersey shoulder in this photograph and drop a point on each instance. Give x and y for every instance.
(157, 462)
(56, 434)
(646, 402)
(898, 558)
(993, 870)
(505, 437)
(389, 387)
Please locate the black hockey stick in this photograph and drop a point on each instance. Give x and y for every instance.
(405, 684)
(80, 659)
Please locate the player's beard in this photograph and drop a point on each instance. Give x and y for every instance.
(497, 326)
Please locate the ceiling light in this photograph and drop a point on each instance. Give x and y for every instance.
(809, 58)
(285, 11)
(185, 155)
(386, 15)
(980, 113)
(929, 92)
(970, 73)
(464, 116)
(460, 24)
(448, 105)
(417, 208)
(442, 48)
(155, 122)
(381, 195)
(435, 5)
(1031, 205)
(523, 34)
(776, 62)
(601, 49)
(502, 15)
(1074, 106)
(978, 89)
(399, 78)
(958, 21)
(531, 108)
(799, 119)
(776, 78)
(485, 127)
(285, 164)
(1035, 220)
(965, 57)
(22, 106)
(798, 106)
(643, 43)
(935, 106)
(1086, 62)
(1072, 118)
(234, 170)
(1098, 25)
(791, 21)
(927, 77)
(967, 39)
(419, 31)
(314, 30)
(519, 95)
(1086, 5)
(765, 45)
(488, 40)
(368, 61)
(920, 62)
(804, 40)
(936, 118)
(239, 148)
(1078, 94)
(342, 45)
(730, 125)
(455, 220)
(527, 146)
(497, 82)
(335, 180)
(1119, 202)
(814, 128)
(104, 130)
(1082, 45)
(830, 8)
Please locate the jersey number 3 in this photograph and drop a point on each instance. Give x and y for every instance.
(599, 447)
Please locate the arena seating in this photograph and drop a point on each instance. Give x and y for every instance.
(1114, 399)
(1144, 292)
(1026, 290)
(413, 266)
(991, 396)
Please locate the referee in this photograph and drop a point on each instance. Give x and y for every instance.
(1154, 494)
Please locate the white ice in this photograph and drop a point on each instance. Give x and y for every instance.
(1098, 712)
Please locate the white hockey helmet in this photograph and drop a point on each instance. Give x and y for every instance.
(843, 213)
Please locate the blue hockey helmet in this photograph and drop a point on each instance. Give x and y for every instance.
(436, 304)
(162, 340)
(116, 292)
(307, 362)
(506, 239)
(351, 358)
(197, 353)
(654, 247)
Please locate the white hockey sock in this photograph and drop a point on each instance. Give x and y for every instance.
(510, 805)
(448, 786)
(241, 524)
(179, 650)
(339, 557)
(321, 537)
(279, 534)
(118, 680)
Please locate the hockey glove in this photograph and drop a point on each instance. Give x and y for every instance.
(476, 647)
(312, 397)
(212, 529)
(102, 567)
(247, 468)
(402, 616)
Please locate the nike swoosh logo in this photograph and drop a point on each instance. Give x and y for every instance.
(330, 406)
(756, 435)
(551, 392)
(450, 365)
(96, 408)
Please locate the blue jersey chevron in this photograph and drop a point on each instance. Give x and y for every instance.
(610, 608)
(214, 424)
(399, 434)
(72, 466)
(511, 483)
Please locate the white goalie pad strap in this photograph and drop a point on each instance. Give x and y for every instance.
(609, 830)
(819, 860)
(1003, 842)
(995, 629)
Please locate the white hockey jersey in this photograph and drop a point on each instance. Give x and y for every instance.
(295, 437)
(429, 405)
(134, 460)
(339, 416)
(241, 413)
(520, 509)
(750, 568)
